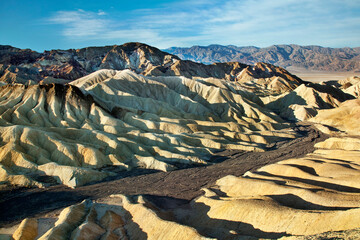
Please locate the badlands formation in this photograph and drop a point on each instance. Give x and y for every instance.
(69, 119)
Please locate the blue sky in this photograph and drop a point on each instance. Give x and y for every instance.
(46, 24)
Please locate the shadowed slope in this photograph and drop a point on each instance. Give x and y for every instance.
(25, 66)
(304, 196)
(125, 121)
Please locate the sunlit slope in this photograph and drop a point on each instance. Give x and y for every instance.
(306, 101)
(315, 194)
(121, 119)
(344, 118)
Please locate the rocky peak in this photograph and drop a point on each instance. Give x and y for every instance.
(266, 70)
(15, 56)
(140, 58)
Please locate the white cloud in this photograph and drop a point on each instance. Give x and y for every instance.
(79, 24)
(101, 13)
(246, 22)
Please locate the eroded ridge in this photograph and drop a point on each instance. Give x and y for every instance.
(314, 196)
(305, 196)
(72, 133)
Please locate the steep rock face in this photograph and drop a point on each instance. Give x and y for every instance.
(11, 74)
(308, 57)
(351, 86)
(190, 69)
(38, 137)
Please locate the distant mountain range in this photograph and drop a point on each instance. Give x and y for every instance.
(292, 57)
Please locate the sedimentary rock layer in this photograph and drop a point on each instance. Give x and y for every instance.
(305, 196)
(121, 119)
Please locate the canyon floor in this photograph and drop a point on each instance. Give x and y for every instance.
(320, 76)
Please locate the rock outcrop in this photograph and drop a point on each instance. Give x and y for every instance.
(267, 79)
(59, 66)
(351, 86)
(16, 56)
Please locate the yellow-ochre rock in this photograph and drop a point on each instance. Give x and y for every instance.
(302, 103)
(344, 118)
(68, 221)
(316, 195)
(28, 230)
(73, 133)
(311, 195)
(110, 121)
(119, 219)
(72, 176)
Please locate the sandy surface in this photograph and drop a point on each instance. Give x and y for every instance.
(317, 76)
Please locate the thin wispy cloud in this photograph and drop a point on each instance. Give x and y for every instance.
(101, 13)
(80, 23)
(247, 22)
(86, 25)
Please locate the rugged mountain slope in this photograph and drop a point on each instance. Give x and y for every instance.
(308, 57)
(16, 56)
(72, 64)
(351, 86)
(125, 120)
(57, 66)
(267, 79)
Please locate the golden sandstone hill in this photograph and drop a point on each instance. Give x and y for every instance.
(174, 115)
(126, 120)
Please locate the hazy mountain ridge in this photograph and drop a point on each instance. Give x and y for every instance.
(308, 57)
